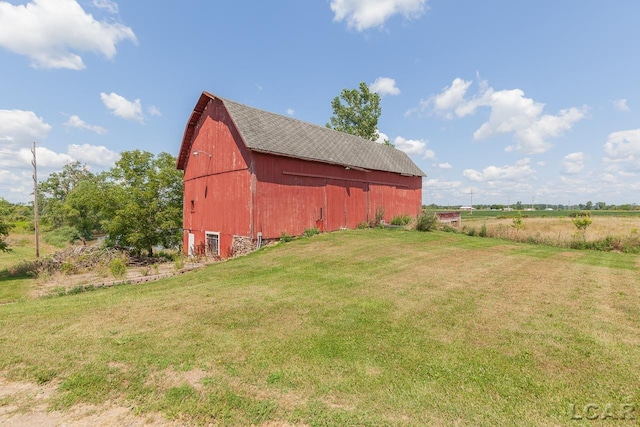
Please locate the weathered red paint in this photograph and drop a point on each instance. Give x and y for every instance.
(231, 190)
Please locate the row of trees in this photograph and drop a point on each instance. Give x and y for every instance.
(542, 206)
(137, 204)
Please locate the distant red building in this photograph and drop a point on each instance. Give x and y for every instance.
(251, 175)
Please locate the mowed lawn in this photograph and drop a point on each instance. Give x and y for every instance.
(364, 327)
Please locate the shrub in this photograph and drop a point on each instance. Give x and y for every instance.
(449, 229)
(285, 237)
(379, 218)
(118, 267)
(517, 222)
(401, 220)
(178, 262)
(483, 230)
(363, 225)
(60, 237)
(68, 267)
(311, 232)
(427, 221)
(24, 268)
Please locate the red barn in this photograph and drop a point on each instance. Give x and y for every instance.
(251, 175)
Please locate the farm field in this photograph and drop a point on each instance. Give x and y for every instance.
(362, 327)
(560, 230)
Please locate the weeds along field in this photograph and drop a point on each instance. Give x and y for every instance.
(610, 232)
(363, 327)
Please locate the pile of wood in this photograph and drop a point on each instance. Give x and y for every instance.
(77, 259)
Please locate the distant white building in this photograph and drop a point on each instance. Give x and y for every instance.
(467, 208)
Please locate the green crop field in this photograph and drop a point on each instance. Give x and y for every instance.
(363, 327)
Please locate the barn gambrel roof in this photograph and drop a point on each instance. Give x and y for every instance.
(271, 133)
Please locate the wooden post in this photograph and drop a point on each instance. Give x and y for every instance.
(35, 199)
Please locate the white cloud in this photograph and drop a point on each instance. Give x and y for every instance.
(47, 158)
(122, 107)
(521, 170)
(623, 148)
(108, 5)
(97, 155)
(154, 111)
(290, 111)
(573, 163)
(384, 86)
(19, 128)
(450, 99)
(441, 184)
(53, 33)
(76, 122)
(445, 166)
(414, 147)
(382, 137)
(364, 14)
(621, 104)
(511, 113)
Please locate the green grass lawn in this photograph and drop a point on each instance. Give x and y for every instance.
(13, 288)
(363, 327)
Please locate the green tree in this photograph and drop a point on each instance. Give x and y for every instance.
(359, 115)
(4, 232)
(143, 201)
(582, 221)
(83, 207)
(54, 191)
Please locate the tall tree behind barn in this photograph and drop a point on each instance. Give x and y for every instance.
(251, 174)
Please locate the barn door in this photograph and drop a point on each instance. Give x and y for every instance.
(191, 244)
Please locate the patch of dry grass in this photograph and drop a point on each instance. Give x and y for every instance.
(560, 231)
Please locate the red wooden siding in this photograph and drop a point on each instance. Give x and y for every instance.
(219, 186)
(293, 195)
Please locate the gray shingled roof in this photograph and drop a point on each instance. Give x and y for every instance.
(272, 133)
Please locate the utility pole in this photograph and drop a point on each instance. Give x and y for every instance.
(471, 205)
(35, 199)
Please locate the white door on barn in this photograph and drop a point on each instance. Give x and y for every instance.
(191, 244)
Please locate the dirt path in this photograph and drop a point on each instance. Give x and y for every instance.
(27, 404)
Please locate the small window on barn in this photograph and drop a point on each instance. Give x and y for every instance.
(213, 244)
(193, 206)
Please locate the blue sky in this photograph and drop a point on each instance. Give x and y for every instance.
(513, 101)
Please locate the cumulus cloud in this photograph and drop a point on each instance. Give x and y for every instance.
(76, 122)
(122, 107)
(521, 170)
(451, 99)
(414, 147)
(621, 104)
(573, 163)
(97, 155)
(47, 158)
(384, 86)
(363, 14)
(445, 165)
(40, 30)
(19, 128)
(290, 111)
(511, 113)
(623, 149)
